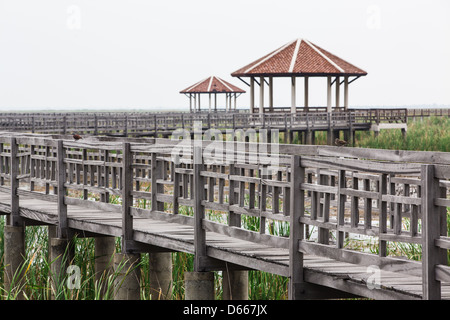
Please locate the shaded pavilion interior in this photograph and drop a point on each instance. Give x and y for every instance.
(299, 59)
(212, 86)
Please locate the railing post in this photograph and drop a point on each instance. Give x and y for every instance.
(95, 125)
(156, 174)
(296, 281)
(62, 207)
(15, 219)
(431, 230)
(199, 211)
(127, 198)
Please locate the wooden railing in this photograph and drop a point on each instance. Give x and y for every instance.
(154, 123)
(395, 197)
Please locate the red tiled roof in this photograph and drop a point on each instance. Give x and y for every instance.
(299, 57)
(211, 85)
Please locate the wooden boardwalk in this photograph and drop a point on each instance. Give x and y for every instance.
(135, 124)
(335, 190)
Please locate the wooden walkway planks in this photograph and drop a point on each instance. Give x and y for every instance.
(179, 237)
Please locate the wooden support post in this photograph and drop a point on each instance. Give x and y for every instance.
(432, 218)
(297, 209)
(383, 214)
(199, 212)
(62, 230)
(156, 174)
(127, 198)
(14, 218)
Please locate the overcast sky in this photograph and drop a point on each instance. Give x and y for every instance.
(108, 54)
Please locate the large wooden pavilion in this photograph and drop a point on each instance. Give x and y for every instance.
(212, 86)
(299, 58)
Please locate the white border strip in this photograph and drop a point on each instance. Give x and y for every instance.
(270, 56)
(210, 83)
(294, 56)
(324, 56)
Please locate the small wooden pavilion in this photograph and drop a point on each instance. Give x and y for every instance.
(212, 86)
(299, 58)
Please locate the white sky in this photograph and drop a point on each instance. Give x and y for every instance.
(107, 54)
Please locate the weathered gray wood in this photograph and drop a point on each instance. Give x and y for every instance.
(127, 198)
(431, 254)
(382, 215)
(296, 281)
(199, 212)
(62, 207)
(14, 218)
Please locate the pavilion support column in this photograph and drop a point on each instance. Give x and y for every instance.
(190, 103)
(346, 93)
(293, 97)
(328, 94)
(195, 102)
(199, 103)
(338, 93)
(306, 108)
(261, 95)
(235, 98)
(252, 94)
(209, 102)
(271, 94)
(215, 102)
